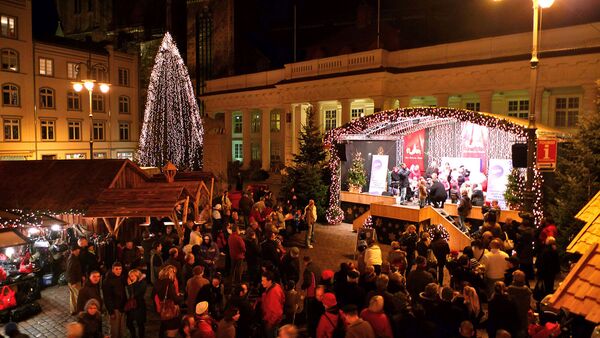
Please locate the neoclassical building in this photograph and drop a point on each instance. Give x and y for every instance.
(42, 116)
(259, 116)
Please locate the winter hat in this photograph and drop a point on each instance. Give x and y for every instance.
(329, 300)
(327, 274)
(201, 308)
(217, 207)
(431, 292)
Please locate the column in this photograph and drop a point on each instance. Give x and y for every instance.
(296, 127)
(539, 96)
(265, 142)
(441, 100)
(246, 137)
(403, 101)
(382, 103)
(346, 108)
(228, 132)
(485, 100)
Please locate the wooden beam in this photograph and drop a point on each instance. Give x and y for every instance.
(108, 225)
(185, 210)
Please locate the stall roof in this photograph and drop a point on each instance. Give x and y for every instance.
(138, 202)
(580, 291)
(590, 233)
(11, 237)
(62, 185)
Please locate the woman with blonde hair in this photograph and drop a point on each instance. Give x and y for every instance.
(377, 318)
(135, 306)
(166, 291)
(471, 301)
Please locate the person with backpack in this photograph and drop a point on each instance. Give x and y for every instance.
(375, 316)
(332, 323)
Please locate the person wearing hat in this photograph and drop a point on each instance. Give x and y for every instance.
(328, 323)
(290, 266)
(327, 280)
(217, 224)
(464, 209)
(204, 322)
(91, 319)
(375, 316)
(74, 274)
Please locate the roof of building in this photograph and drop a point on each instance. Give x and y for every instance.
(60, 186)
(580, 291)
(85, 46)
(591, 210)
(590, 233)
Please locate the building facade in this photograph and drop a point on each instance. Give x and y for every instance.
(42, 116)
(262, 113)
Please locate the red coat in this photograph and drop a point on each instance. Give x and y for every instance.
(379, 322)
(205, 327)
(272, 302)
(237, 247)
(327, 324)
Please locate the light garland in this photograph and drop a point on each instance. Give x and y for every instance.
(172, 129)
(334, 213)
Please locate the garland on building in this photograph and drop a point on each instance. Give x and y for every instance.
(335, 215)
(172, 129)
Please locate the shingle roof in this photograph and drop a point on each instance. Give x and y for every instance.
(590, 233)
(580, 291)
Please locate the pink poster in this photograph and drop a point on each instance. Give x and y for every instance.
(475, 142)
(414, 149)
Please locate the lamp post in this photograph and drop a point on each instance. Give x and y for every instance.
(89, 85)
(529, 195)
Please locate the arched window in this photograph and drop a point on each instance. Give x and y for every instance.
(10, 95)
(123, 104)
(10, 60)
(47, 98)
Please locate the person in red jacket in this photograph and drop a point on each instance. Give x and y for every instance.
(237, 252)
(330, 318)
(272, 302)
(377, 318)
(204, 322)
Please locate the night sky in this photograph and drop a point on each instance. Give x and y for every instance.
(264, 28)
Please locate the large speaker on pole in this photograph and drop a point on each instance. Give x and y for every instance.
(519, 155)
(340, 148)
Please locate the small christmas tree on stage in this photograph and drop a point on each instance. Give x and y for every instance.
(513, 195)
(357, 176)
(172, 129)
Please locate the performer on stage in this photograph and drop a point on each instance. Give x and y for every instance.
(403, 174)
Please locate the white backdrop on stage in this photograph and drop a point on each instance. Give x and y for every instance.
(379, 170)
(471, 163)
(499, 169)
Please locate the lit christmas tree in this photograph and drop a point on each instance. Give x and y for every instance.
(172, 129)
(357, 176)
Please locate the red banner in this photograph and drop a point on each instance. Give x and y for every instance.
(413, 152)
(475, 141)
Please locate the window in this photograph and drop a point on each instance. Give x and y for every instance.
(356, 113)
(10, 60)
(72, 70)
(10, 95)
(237, 151)
(99, 131)
(46, 98)
(330, 119)
(275, 152)
(255, 123)
(76, 156)
(46, 67)
(73, 100)
(123, 77)
(475, 106)
(98, 102)
(123, 105)
(237, 123)
(255, 150)
(567, 112)
(47, 130)
(518, 108)
(122, 155)
(275, 121)
(8, 26)
(76, 6)
(12, 129)
(99, 155)
(123, 131)
(74, 131)
(99, 74)
(48, 157)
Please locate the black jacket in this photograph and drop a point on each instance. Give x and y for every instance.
(437, 192)
(87, 292)
(114, 292)
(252, 252)
(74, 271)
(270, 252)
(416, 282)
(137, 291)
(92, 325)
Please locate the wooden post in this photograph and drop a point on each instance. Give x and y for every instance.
(185, 210)
(108, 225)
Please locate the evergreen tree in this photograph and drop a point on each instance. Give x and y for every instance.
(172, 129)
(576, 177)
(357, 176)
(305, 179)
(514, 189)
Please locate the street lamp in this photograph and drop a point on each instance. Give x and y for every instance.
(89, 85)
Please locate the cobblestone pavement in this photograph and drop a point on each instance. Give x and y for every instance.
(334, 244)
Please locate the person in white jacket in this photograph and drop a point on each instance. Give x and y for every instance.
(373, 257)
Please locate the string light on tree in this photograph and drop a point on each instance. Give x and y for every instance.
(172, 129)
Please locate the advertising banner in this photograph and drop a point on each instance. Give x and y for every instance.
(546, 154)
(379, 171)
(499, 170)
(475, 142)
(414, 150)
